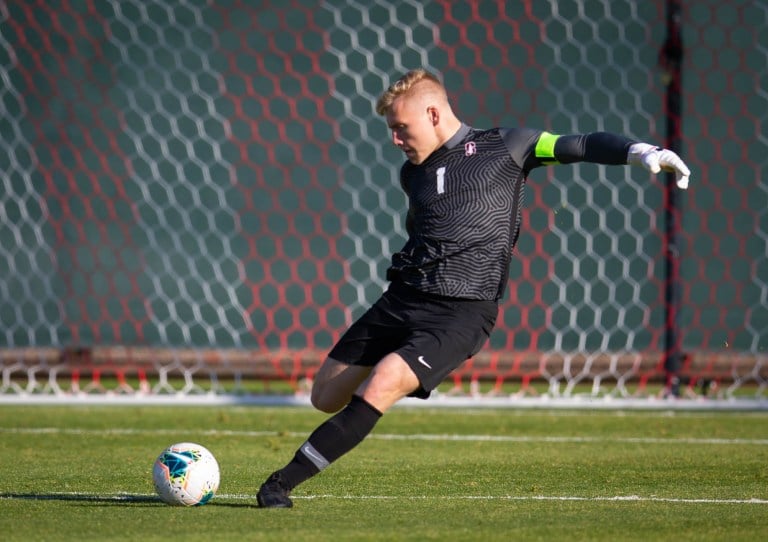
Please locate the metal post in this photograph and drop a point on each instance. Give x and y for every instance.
(671, 58)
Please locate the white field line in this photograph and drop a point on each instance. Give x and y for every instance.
(386, 436)
(144, 497)
(618, 498)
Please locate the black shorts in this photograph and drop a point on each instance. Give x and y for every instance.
(433, 334)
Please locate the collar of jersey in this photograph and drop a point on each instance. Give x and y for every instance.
(456, 138)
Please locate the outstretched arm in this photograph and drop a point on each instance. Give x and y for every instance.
(608, 148)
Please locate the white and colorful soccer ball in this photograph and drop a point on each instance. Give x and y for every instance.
(186, 474)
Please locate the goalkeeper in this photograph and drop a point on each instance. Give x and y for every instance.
(465, 192)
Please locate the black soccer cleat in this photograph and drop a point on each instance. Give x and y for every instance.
(273, 493)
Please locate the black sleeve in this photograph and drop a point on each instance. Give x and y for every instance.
(521, 143)
(597, 147)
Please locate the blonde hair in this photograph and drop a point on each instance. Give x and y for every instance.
(406, 85)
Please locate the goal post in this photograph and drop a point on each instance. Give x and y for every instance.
(197, 197)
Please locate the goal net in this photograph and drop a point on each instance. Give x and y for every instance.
(197, 197)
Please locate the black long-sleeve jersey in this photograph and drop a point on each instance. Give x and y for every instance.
(464, 204)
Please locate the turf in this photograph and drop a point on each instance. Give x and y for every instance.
(84, 473)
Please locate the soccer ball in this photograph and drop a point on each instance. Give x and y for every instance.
(186, 474)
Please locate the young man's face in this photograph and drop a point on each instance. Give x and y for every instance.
(413, 126)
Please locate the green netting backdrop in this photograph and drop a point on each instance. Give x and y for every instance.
(212, 174)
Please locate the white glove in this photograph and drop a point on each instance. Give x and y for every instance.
(655, 159)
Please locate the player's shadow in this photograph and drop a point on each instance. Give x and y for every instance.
(103, 500)
(76, 497)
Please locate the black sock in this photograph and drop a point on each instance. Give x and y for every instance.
(332, 439)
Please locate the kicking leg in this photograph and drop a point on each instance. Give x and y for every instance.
(389, 381)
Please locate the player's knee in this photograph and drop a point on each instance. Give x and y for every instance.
(325, 402)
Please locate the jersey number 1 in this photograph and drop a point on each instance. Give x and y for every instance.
(441, 180)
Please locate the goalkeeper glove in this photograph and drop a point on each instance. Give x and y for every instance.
(656, 159)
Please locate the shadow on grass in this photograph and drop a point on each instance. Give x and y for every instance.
(119, 499)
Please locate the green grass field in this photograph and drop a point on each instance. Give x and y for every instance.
(84, 473)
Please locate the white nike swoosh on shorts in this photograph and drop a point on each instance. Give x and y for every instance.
(421, 360)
